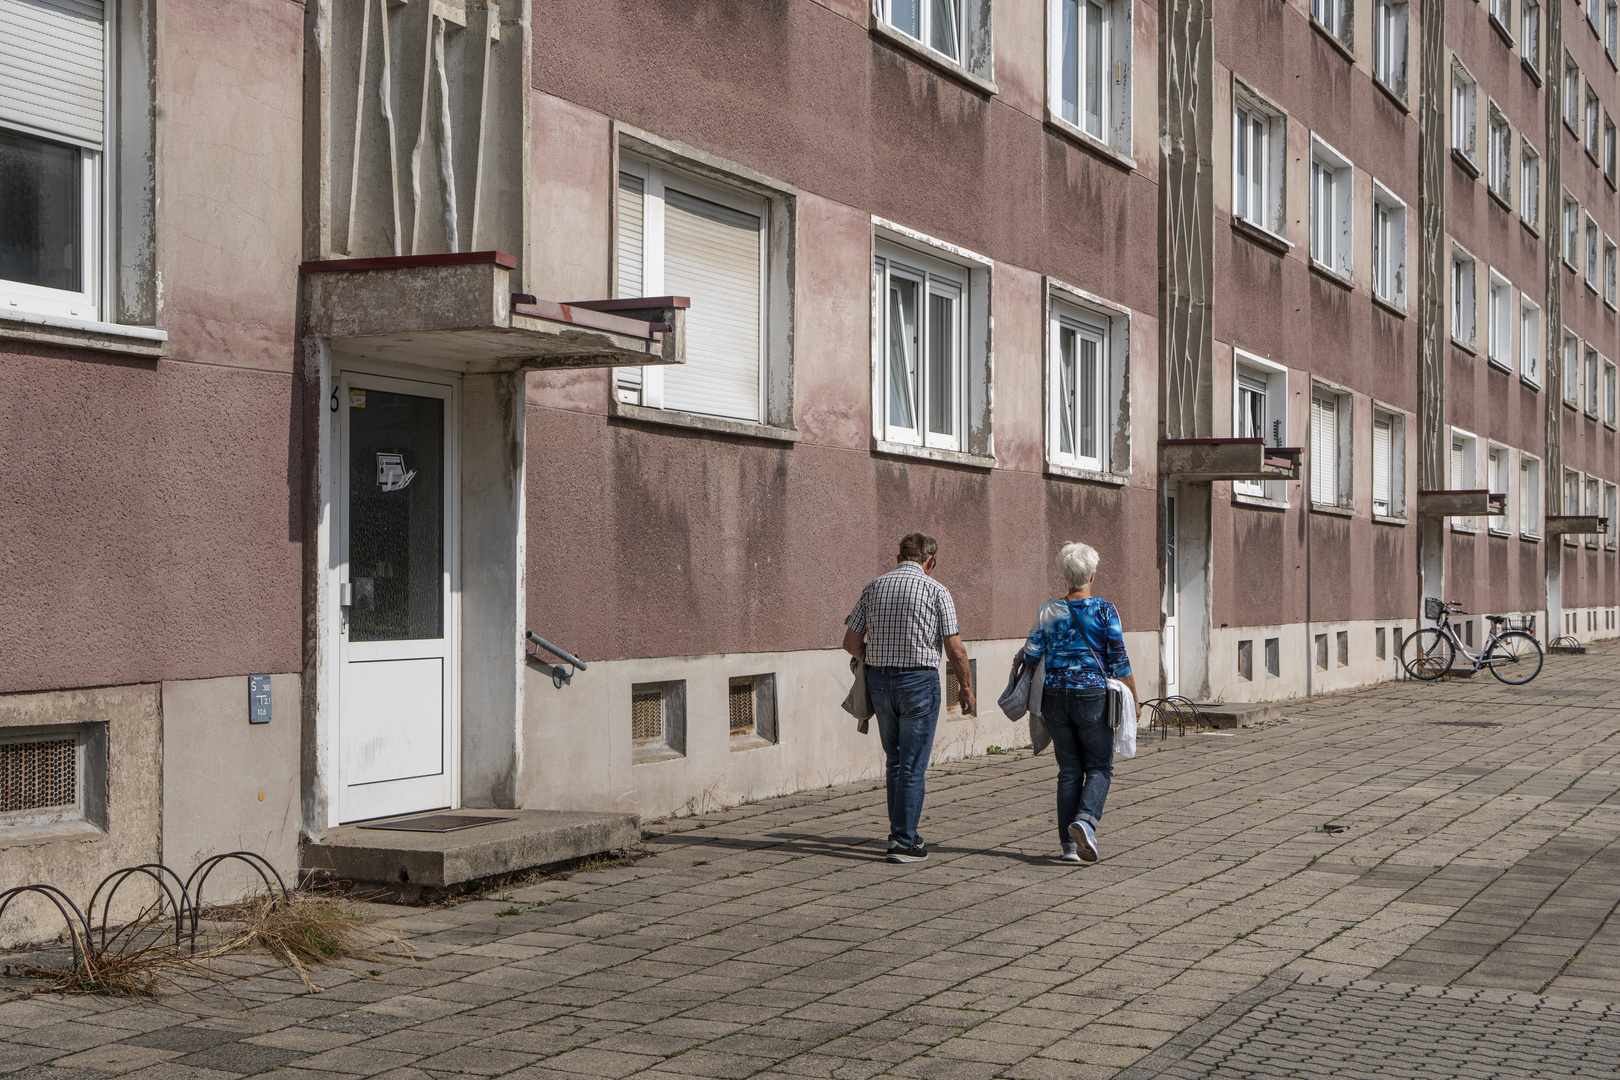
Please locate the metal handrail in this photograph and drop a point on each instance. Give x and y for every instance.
(559, 677)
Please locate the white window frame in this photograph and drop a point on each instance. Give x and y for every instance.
(1609, 148)
(1388, 246)
(1530, 35)
(1571, 361)
(1611, 510)
(924, 37)
(1335, 480)
(1464, 113)
(1591, 367)
(1571, 501)
(1529, 341)
(1273, 378)
(1464, 297)
(1394, 508)
(1572, 95)
(1499, 322)
(1611, 30)
(1529, 185)
(1107, 326)
(1391, 21)
(1591, 7)
(1594, 507)
(1114, 59)
(1529, 496)
(933, 280)
(1259, 160)
(1334, 17)
(1333, 182)
(1499, 154)
(1501, 13)
(1611, 273)
(1611, 407)
(1462, 463)
(1502, 458)
(1594, 246)
(1571, 246)
(1594, 117)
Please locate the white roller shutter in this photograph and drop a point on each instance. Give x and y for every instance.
(52, 68)
(1324, 451)
(1382, 475)
(1527, 524)
(713, 254)
(632, 247)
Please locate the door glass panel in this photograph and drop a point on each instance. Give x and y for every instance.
(396, 516)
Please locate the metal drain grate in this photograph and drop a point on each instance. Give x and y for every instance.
(40, 774)
(647, 717)
(742, 706)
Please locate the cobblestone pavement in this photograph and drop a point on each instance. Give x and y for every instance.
(771, 939)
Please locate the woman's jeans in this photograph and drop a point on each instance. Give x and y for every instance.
(1083, 744)
(906, 703)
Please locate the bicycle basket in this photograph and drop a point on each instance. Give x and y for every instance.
(1527, 623)
(1433, 608)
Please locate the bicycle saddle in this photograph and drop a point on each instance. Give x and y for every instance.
(1496, 618)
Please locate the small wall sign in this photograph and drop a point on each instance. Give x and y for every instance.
(258, 699)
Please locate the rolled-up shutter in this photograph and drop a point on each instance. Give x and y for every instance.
(1381, 466)
(712, 254)
(53, 68)
(1324, 451)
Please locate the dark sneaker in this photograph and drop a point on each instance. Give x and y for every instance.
(915, 853)
(1085, 840)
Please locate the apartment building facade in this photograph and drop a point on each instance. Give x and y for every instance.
(345, 345)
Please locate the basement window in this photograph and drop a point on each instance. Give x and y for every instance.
(751, 705)
(52, 776)
(953, 691)
(657, 721)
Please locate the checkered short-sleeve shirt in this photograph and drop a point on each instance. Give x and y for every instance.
(906, 617)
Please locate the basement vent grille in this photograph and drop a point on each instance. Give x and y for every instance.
(742, 706)
(39, 774)
(953, 691)
(647, 717)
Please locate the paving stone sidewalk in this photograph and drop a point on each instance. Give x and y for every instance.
(772, 939)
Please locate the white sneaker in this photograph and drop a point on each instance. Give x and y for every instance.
(1071, 853)
(1085, 840)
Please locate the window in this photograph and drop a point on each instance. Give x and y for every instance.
(1496, 480)
(1081, 384)
(1330, 448)
(1608, 149)
(1609, 270)
(1591, 7)
(1389, 45)
(1572, 496)
(1334, 17)
(1260, 411)
(1090, 68)
(1259, 147)
(1609, 403)
(1462, 297)
(1593, 366)
(935, 23)
(924, 316)
(1611, 30)
(1499, 322)
(53, 123)
(1331, 183)
(1572, 368)
(1529, 185)
(1500, 155)
(1572, 231)
(1593, 245)
(751, 705)
(1389, 465)
(1594, 497)
(1529, 340)
(1530, 34)
(1389, 246)
(1593, 113)
(1611, 534)
(1502, 14)
(657, 721)
(1464, 448)
(1529, 496)
(682, 235)
(1464, 106)
(1572, 94)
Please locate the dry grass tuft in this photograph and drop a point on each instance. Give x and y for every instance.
(305, 931)
(139, 961)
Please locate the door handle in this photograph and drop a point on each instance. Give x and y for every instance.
(345, 594)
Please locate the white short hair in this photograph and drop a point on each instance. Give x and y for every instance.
(1077, 563)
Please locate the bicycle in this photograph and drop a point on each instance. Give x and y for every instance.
(1511, 654)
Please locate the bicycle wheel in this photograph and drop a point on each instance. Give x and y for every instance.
(1427, 654)
(1514, 657)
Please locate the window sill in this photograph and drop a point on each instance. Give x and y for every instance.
(1087, 141)
(144, 341)
(1591, 155)
(1262, 236)
(1464, 530)
(740, 743)
(938, 61)
(1259, 502)
(1390, 306)
(1530, 227)
(1531, 383)
(1609, 304)
(1591, 288)
(1499, 199)
(1501, 31)
(1071, 472)
(1390, 519)
(1465, 163)
(1529, 66)
(1321, 269)
(26, 835)
(1458, 343)
(1328, 36)
(1609, 424)
(1590, 415)
(1500, 532)
(648, 755)
(1493, 362)
(933, 453)
(1335, 511)
(1530, 538)
(1393, 95)
(718, 425)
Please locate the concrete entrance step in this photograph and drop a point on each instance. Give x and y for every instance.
(412, 866)
(1238, 714)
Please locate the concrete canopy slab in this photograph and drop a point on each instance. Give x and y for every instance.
(410, 865)
(1474, 502)
(1227, 459)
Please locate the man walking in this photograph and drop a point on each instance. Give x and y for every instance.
(899, 626)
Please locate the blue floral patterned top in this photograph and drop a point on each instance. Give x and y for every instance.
(1076, 637)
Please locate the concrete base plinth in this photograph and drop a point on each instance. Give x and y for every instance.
(411, 866)
(1236, 714)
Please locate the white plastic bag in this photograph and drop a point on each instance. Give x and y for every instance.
(1125, 722)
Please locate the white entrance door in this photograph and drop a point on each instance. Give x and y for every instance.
(1172, 588)
(396, 530)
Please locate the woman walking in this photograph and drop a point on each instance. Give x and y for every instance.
(1080, 639)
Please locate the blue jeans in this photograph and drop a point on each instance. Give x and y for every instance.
(907, 707)
(1083, 744)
